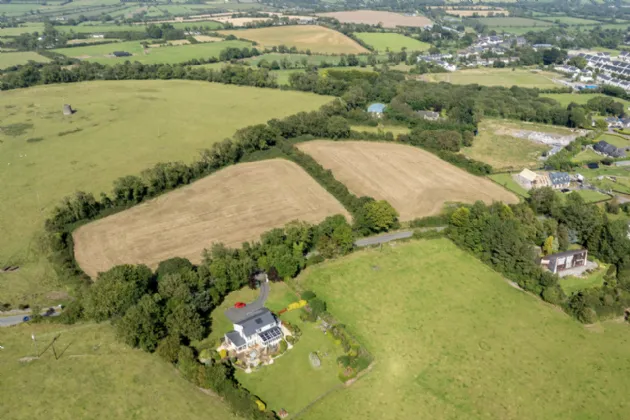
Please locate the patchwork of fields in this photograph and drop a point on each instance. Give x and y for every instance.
(169, 54)
(234, 205)
(417, 183)
(120, 128)
(316, 38)
(453, 340)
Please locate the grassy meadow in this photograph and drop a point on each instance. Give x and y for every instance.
(587, 155)
(507, 181)
(45, 155)
(10, 59)
(391, 42)
(168, 54)
(572, 284)
(579, 98)
(453, 340)
(316, 38)
(496, 146)
(95, 377)
(509, 22)
(497, 77)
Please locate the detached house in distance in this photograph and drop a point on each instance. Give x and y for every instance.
(557, 263)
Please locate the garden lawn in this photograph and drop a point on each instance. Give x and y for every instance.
(120, 128)
(498, 77)
(391, 42)
(291, 382)
(507, 181)
(572, 284)
(170, 55)
(10, 59)
(591, 196)
(95, 377)
(587, 155)
(453, 340)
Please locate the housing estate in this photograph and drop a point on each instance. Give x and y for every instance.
(562, 261)
(260, 328)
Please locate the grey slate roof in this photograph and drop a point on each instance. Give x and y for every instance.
(235, 338)
(608, 149)
(259, 319)
(559, 178)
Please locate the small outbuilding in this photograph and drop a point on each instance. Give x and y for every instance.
(67, 110)
(376, 109)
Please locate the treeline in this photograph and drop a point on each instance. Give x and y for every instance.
(31, 75)
(504, 237)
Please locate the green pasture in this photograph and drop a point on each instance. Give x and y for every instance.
(298, 60)
(94, 377)
(569, 20)
(391, 42)
(26, 28)
(394, 129)
(169, 54)
(511, 22)
(9, 59)
(507, 181)
(591, 196)
(580, 98)
(453, 340)
(120, 128)
(498, 77)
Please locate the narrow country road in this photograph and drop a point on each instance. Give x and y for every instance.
(388, 237)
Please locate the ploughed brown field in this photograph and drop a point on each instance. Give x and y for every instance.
(417, 183)
(234, 205)
(372, 17)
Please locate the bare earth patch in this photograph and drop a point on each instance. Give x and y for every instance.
(234, 205)
(371, 17)
(417, 183)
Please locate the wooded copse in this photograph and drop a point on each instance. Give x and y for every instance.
(504, 237)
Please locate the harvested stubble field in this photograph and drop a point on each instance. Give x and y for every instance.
(234, 205)
(476, 12)
(372, 17)
(392, 42)
(316, 38)
(417, 183)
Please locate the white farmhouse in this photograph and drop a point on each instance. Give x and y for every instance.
(260, 328)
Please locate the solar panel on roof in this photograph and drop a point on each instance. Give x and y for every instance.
(270, 334)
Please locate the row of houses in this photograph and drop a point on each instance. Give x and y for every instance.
(609, 150)
(438, 59)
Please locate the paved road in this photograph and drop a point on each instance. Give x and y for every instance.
(237, 314)
(388, 237)
(8, 321)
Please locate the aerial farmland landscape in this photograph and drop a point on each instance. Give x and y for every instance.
(321, 210)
